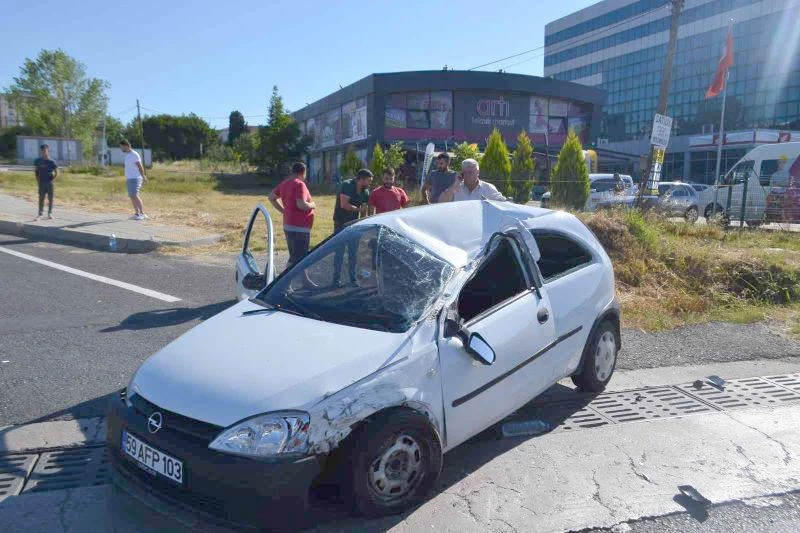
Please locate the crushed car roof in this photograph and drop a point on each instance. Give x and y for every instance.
(456, 231)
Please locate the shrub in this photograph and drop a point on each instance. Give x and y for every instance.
(523, 169)
(464, 151)
(378, 163)
(569, 185)
(351, 164)
(495, 165)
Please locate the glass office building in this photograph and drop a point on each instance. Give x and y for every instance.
(620, 46)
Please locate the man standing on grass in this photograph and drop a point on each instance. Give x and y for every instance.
(438, 180)
(292, 199)
(352, 201)
(46, 171)
(134, 177)
(388, 197)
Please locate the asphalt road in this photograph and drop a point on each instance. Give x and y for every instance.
(70, 341)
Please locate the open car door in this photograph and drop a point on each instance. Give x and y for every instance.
(255, 265)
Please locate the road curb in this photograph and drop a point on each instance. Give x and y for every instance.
(56, 434)
(94, 241)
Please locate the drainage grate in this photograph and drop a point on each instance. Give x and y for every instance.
(584, 418)
(791, 381)
(13, 471)
(69, 468)
(647, 404)
(748, 392)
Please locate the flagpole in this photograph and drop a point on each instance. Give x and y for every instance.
(719, 144)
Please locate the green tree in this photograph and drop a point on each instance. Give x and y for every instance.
(395, 156)
(464, 151)
(236, 126)
(378, 162)
(569, 184)
(115, 131)
(175, 137)
(246, 147)
(56, 97)
(280, 142)
(495, 165)
(351, 164)
(523, 169)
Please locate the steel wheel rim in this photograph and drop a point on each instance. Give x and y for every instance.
(397, 471)
(605, 356)
(692, 215)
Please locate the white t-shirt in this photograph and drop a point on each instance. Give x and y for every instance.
(131, 170)
(484, 191)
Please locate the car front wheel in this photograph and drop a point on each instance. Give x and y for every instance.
(691, 215)
(395, 462)
(599, 359)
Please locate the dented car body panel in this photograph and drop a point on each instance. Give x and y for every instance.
(423, 282)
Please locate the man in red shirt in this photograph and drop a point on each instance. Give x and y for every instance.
(388, 198)
(294, 201)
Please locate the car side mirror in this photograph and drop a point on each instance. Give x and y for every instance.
(478, 348)
(254, 282)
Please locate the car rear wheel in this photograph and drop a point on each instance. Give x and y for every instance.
(599, 359)
(395, 461)
(691, 215)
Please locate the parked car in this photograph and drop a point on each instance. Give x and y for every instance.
(783, 200)
(602, 190)
(455, 316)
(755, 171)
(699, 187)
(677, 199)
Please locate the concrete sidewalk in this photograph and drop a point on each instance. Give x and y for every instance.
(93, 230)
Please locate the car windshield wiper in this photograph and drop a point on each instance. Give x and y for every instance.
(303, 311)
(271, 307)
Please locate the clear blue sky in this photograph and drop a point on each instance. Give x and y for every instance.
(211, 57)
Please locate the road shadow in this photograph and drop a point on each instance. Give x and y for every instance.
(160, 318)
(554, 406)
(88, 409)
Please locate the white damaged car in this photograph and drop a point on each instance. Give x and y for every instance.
(388, 345)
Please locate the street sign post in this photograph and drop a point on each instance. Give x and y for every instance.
(659, 139)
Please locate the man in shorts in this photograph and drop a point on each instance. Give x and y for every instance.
(134, 177)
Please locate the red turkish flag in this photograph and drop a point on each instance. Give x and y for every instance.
(725, 63)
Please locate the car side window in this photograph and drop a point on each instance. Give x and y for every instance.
(678, 192)
(768, 168)
(499, 278)
(603, 185)
(560, 255)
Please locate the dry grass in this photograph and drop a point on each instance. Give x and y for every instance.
(218, 203)
(668, 274)
(673, 274)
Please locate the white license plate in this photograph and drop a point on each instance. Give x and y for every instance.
(152, 460)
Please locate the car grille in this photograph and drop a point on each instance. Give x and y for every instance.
(173, 421)
(199, 502)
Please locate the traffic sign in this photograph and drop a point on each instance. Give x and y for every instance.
(662, 126)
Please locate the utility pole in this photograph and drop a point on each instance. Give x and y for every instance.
(141, 130)
(666, 80)
(104, 146)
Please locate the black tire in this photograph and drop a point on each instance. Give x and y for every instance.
(595, 372)
(691, 215)
(370, 457)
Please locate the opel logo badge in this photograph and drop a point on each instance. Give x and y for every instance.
(154, 422)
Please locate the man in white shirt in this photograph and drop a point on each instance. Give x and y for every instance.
(468, 186)
(134, 177)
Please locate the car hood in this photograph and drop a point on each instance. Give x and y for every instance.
(232, 366)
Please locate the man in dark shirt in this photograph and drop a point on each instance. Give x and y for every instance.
(438, 180)
(352, 201)
(46, 171)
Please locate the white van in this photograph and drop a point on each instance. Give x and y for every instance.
(756, 168)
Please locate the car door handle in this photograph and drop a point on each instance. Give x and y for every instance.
(542, 316)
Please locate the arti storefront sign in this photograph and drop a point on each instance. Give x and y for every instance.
(483, 112)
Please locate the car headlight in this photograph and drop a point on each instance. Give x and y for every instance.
(269, 435)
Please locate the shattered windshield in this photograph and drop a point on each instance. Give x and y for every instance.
(366, 276)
